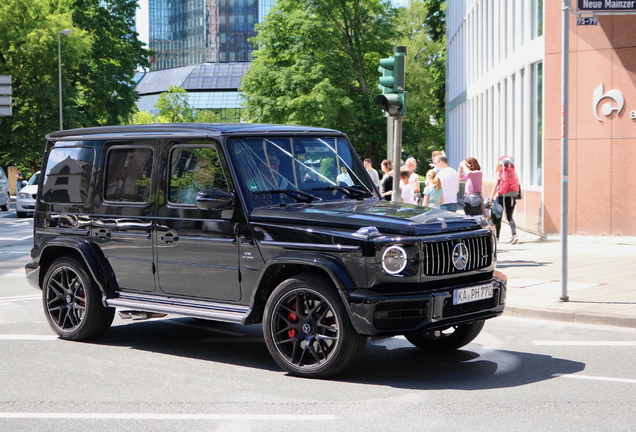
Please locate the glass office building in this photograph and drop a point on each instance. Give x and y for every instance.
(202, 46)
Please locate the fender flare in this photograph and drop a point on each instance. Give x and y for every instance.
(329, 265)
(93, 258)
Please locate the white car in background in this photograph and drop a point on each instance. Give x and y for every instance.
(25, 201)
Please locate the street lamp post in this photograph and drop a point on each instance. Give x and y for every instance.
(59, 68)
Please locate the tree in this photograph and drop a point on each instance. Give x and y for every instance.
(174, 106)
(106, 75)
(316, 64)
(423, 30)
(98, 62)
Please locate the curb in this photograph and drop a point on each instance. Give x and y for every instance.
(571, 316)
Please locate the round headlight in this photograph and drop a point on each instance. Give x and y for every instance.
(394, 260)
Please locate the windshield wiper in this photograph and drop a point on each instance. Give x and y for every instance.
(295, 194)
(351, 191)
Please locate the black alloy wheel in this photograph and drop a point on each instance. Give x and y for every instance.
(72, 302)
(449, 339)
(307, 330)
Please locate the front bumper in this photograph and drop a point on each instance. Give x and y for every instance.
(375, 315)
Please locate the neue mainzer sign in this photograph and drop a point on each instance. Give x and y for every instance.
(607, 5)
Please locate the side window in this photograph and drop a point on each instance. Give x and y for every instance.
(67, 175)
(194, 169)
(128, 174)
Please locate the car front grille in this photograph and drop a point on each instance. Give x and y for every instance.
(438, 256)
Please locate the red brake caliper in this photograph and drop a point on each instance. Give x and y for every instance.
(291, 333)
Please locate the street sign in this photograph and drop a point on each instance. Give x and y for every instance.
(5, 95)
(587, 21)
(607, 5)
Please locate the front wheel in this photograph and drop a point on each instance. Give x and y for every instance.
(73, 301)
(449, 339)
(307, 329)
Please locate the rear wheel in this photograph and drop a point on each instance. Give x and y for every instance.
(307, 329)
(449, 339)
(73, 301)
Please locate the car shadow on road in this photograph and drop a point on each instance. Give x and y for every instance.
(470, 368)
(392, 362)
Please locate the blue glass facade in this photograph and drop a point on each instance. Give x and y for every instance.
(186, 32)
(201, 46)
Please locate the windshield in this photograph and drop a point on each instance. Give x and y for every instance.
(34, 180)
(307, 169)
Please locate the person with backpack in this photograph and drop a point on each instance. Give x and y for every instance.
(507, 191)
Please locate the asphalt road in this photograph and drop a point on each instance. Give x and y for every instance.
(183, 374)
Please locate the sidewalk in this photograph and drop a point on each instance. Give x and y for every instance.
(601, 278)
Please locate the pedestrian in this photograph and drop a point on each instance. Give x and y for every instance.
(507, 191)
(450, 182)
(432, 196)
(407, 193)
(344, 177)
(386, 185)
(414, 179)
(18, 181)
(372, 172)
(469, 171)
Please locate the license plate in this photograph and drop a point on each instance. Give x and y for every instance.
(471, 294)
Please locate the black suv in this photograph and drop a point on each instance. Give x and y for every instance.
(246, 223)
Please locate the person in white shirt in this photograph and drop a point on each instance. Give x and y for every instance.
(450, 182)
(372, 172)
(407, 193)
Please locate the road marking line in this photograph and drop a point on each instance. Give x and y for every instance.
(27, 337)
(596, 378)
(15, 238)
(585, 343)
(20, 298)
(134, 416)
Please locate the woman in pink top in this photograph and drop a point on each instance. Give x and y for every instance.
(469, 171)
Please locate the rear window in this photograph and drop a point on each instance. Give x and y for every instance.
(67, 175)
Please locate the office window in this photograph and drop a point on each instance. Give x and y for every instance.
(537, 122)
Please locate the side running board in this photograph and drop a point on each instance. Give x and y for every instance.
(192, 308)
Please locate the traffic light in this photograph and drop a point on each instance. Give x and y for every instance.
(393, 97)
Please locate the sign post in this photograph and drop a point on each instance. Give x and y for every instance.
(5, 96)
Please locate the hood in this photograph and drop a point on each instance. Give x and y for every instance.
(388, 217)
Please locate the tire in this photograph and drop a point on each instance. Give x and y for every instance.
(21, 214)
(446, 340)
(5, 206)
(307, 330)
(73, 302)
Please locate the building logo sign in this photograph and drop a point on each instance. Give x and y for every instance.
(614, 101)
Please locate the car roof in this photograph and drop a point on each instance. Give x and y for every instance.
(190, 130)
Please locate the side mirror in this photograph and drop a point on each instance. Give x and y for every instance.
(214, 199)
(24, 182)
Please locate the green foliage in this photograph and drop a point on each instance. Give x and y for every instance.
(98, 63)
(206, 116)
(422, 28)
(144, 117)
(316, 64)
(174, 106)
